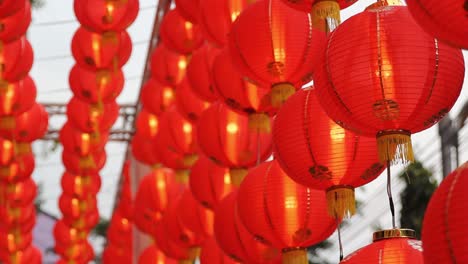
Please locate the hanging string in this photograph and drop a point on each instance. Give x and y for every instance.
(340, 244)
(389, 193)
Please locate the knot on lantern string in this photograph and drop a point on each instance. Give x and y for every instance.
(395, 146)
(237, 175)
(260, 122)
(294, 256)
(280, 92)
(7, 122)
(341, 202)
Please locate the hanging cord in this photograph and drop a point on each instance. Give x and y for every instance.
(389, 193)
(340, 244)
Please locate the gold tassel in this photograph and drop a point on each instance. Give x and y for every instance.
(260, 122)
(280, 92)
(295, 256)
(182, 176)
(322, 12)
(237, 176)
(341, 202)
(7, 122)
(189, 160)
(194, 253)
(395, 146)
(87, 162)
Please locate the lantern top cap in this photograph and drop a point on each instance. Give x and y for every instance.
(394, 233)
(382, 4)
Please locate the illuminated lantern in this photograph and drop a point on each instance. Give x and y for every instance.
(308, 5)
(29, 255)
(9, 7)
(94, 51)
(18, 194)
(198, 219)
(290, 217)
(73, 207)
(432, 17)
(199, 72)
(115, 255)
(189, 9)
(389, 86)
(92, 118)
(104, 15)
(75, 253)
(211, 253)
(178, 34)
(153, 255)
(155, 97)
(147, 124)
(188, 103)
(89, 164)
(394, 246)
(234, 239)
(216, 17)
(316, 152)
(84, 222)
(120, 230)
(19, 169)
(96, 87)
(17, 216)
(276, 46)
(17, 98)
(67, 235)
(443, 233)
(13, 240)
(81, 143)
(15, 24)
(16, 60)
(142, 151)
(171, 248)
(224, 137)
(209, 182)
(80, 185)
(168, 67)
(26, 127)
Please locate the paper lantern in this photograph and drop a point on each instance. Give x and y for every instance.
(19, 168)
(291, 217)
(199, 72)
(307, 5)
(16, 98)
(30, 255)
(16, 60)
(155, 97)
(73, 207)
(211, 253)
(170, 248)
(189, 9)
(26, 127)
(9, 7)
(84, 222)
(18, 194)
(198, 219)
(25, 226)
(188, 103)
(394, 246)
(92, 118)
(443, 234)
(15, 24)
(120, 231)
(168, 67)
(153, 255)
(115, 255)
(445, 21)
(144, 152)
(316, 152)
(179, 34)
(147, 124)
(16, 216)
(80, 185)
(67, 235)
(15, 241)
(397, 79)
(81, 143)
(276, 46)
(89, 164)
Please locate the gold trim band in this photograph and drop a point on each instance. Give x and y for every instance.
(393, 233)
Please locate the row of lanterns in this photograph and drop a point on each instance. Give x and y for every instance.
(22, 120)
(100, 47)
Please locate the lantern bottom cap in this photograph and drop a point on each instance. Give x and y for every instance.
(394, 233)
(295, 256)
(182, 176)
(260, 122)
(341, 202)
(237, 175)
(280, 92)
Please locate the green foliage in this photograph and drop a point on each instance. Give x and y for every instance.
(101, 228)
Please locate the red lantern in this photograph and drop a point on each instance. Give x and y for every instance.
(26, 127)
(197, 219)
(84, 222)
(397, 80)
(307, 5)
(147, 124)
(188, 103)
(17, 98)
(444, 232)
(199, 72)
(16, 60)
(9, 7)
(80, 143)
(318, 153)
(178, 34)
(104, 15)
(168, 67)
(120, 231)
(92, 118)
(18, 194)
(216, 18)
(74, 207)
(75, 253)
(64, 234)
(19, 169)
(144, 152)
(15, 24)
(89, 164)
(446, 21)
(155, 97)
(16, 216)
(115, 255)
(394, 246)
(170, 248)
(290, 216)
(211, 253)
(276, 46)
(153, 255)
(189, 9)
(14, 240)
(80, 185)
(23, 228)
(29, 255)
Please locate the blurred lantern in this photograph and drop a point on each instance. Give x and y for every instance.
(67, 235)
(188, 103)
(84, 222)
(75, 253)
(199, 72)
(16, 98)
(104, 15)
(153, 255)
(73, 207)
(24, 227)
(318, 153)
(7, 151)
(9, 7)
(211, 253)
(19, 168)
(30, 255)
(147, 124)
(14, 240)
(216, 17)
(116, 255)
(15, 24)
(92, 118)
(143, 151)
(155, 97)
(26, 127)
(80, 185)
(276, 46)
(224, 136)
(16, 60)
(444, 232)
(209, 182)
(198, 219)
(446, 20)
(17, 216)
(394, 246)
(89, 164)
(18, 194)
(189, 9)
(234, 239)
(290, 216)
(308, 5)
(168, 67)
(171, 248)
(120, 231)
(96, 86)
(95, 51)
(400, 80)
(178, 34)
(81, 143)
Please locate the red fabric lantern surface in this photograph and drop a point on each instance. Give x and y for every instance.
(209, 182)
(168, 67)
(91, 118)
(115, 255)
(23, 227)
(211, 253)
(7, 151)
(15, 241)
(67, 235)
(318, 153)
(90, 164)
(16, 59)
(15, 24)
(199, 72)
(30, 255)
(81, 143)
(103, 15)
(80, 185)
(224, 137)
(179, 34)
(94, 51)
(234, 239)
(188, 103)
(400, 80)
(18, 194)
(17, 98)
(307, 5)
(291, 216)
(143, 151)
(445, 21)
(276, 46)
(16, 216)
(26, 127)
(120, 230)
(198, 219)
(170, 248)
(85, 222)
(155, 97)
(444, 232)
(74, 207)
(76, 253)
(19, 169)
(153, 255)
(9, 7)
(216, 18)
(96, 86)
(189, 9)
(147, 124)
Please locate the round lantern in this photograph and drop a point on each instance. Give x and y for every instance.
(216, 18)
(80, 185)
(211, 253)
(170, 248)
(9, 7)
(199, 72)
(155, 97)
(189, 9)
(29, 255)
(15, 25)
(92, 163)
(188, 103)
(81, 143)
(18, 194)
(92, 118)
(394, 246)
(16, 60)
(68, 235)
(291, 217)
(224, 136)
(73, 207)
(389, 81)
(197, 219)
(147, 124)
(104, 15)
(120, 230)
(444, 234)
(168, 67)
(113, 254)
(144, 152)
(153, 255)
(446, 21)
(179, 34)
(276, 46)
(17, 98)
(94, 51)
(26, 127)
(19, 168)
(318, 153)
